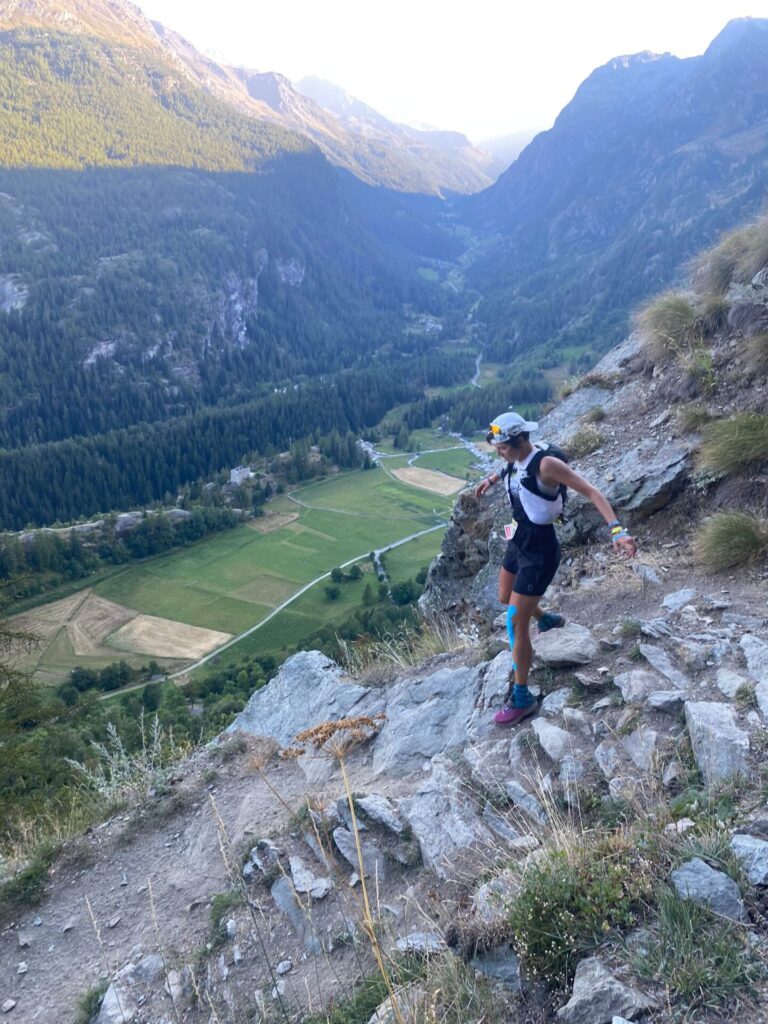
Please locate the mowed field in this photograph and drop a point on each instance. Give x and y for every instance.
(176, 607)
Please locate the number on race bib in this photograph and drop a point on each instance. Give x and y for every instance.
(509, 530)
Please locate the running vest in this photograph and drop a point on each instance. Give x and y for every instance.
(531, 500)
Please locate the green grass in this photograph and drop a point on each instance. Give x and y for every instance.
(404, 562)
(455, 463)
(703, 961)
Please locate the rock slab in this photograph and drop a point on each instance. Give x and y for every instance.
(697, 881)
(567, 647)
(719, 745)
(598, 996)
(753, 855)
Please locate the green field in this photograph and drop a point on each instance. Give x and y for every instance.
(455, 463)
(232, 580)
(423, 439)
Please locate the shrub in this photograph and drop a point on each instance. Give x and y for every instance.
(595, 414)
(700, 368)
(668, 325)
(584, 442)
(27, 887)
(735, 443)
(703, 961)
(89, 1003)
(570, 901)
(693, 417)
(757, 354)
(730, 538)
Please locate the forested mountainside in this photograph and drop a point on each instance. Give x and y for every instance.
(652, 158)
(162, 254)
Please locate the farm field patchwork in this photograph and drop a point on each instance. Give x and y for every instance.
(227, 583)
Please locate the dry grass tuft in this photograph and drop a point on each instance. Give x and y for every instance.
(736, 443)
(585, 441)
(380, 659)
(735, 260)
(756, 351)
(669, 326)
(693, 417)
(729, 539)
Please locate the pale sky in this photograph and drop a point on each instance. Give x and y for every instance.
(484, 67)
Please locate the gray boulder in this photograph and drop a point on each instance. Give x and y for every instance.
(660, 660)
(753, 855)
(305, 881)
(526, 801)
(697, 881)
(674, 602)
(374, 864)
(640, 745)
(650, 475)
(668, 701)
(289, 902)
(308, 689)
(566, 647)
(728, 682)
(608, 758)
(443, 820)
(756, 653)
(556, 742)
(501, 964)
(129, 988)
(425, 717)
(637, 684)
(382, 811)
(598, 996)
(719, 745)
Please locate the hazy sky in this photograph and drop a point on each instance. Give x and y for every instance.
(485, 67)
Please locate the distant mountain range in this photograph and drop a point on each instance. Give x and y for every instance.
(381, 154)
(179, 237)
(652, 158)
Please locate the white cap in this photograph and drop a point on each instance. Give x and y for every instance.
(508, 425)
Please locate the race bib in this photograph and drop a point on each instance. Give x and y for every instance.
(509, 530)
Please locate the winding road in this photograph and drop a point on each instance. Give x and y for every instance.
(294, 597)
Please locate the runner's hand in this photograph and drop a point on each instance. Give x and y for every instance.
(627, 546)
(482, 487)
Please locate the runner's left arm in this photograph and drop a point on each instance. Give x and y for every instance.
(554, 471)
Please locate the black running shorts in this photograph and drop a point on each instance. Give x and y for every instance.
(532, 557)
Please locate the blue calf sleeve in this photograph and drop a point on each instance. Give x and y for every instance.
(521, 696)
(511, 612)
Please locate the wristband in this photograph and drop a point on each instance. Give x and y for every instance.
(613, 522)
(621, 533)
(493, 479)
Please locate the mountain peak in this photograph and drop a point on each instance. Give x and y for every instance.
(114, 19)
(739, 32)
